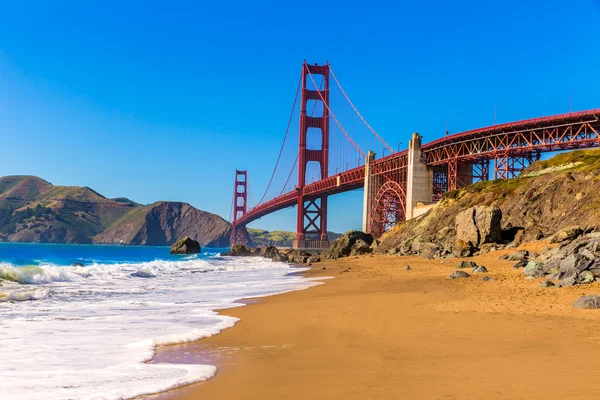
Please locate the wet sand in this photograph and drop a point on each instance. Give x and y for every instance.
(376, 331)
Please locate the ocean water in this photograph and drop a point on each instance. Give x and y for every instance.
(71, 332)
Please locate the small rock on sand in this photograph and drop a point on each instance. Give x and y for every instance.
(407, 268)
(588, 302)
(546, 284)
(480, 270)
(458, 274)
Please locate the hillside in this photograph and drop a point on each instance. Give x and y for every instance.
(550, 195)
(33, 210)
(164, 223)
(261, 237)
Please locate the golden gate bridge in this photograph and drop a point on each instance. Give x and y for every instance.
(336, 150)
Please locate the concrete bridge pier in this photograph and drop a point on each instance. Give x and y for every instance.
(367, 198)
(419, 179)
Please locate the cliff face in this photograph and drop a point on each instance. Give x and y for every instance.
(164, 223)
(550, 195)
(33, 210)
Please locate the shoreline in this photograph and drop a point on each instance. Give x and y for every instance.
(377, 331)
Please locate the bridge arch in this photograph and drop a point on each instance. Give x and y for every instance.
(389, 207)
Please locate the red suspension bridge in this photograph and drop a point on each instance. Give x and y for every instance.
(336, 152)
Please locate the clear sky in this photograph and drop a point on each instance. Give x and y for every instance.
(164, 100)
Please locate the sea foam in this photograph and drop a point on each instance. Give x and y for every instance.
(93, 329)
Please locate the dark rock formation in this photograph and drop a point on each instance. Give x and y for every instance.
(298, 256)
(343, 246)
(269, 252)
(185, 246)
(239, 250)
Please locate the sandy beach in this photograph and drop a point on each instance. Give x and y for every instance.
(376, 331)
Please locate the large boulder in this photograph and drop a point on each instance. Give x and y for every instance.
(185, 246)
(479, 225)
(342, 246)
(298, 256)
(269, 252)
(239, 250)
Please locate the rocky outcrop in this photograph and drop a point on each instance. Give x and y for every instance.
(575, 262)
(479, 225)
(352, 241)
(541, 202)
(185, 246)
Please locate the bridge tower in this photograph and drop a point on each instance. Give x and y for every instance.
(311, 223)
(239, 235)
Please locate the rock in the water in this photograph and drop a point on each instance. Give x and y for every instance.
(458, 274)
(546, 284)
(407, 268)
(280, 258)
(77, 265)
(479, 270)
(479, 225)
(342, 246)
(185, 246)
(566, 234)
(466, 264)
(588, 302)
(144, 274)
(239, 250)
(534, 269)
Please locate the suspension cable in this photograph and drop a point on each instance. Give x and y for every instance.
(358, 113)
(333, 115)
(283, 143)
(290, 175)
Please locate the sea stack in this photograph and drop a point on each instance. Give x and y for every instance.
(185, 246)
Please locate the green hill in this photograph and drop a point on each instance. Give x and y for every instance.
(34, 210)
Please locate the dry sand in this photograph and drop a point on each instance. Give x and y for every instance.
(380, 332)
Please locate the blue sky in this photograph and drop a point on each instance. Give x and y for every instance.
(164, 100)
